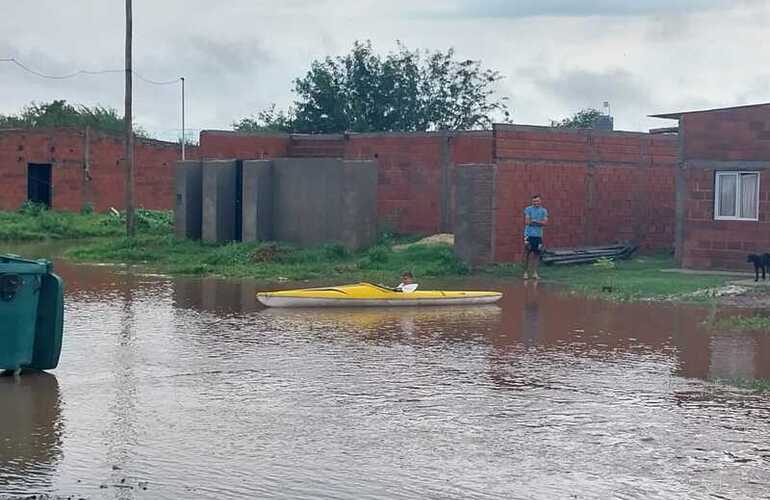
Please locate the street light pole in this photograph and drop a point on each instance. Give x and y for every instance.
(183, 135)
(129, 191)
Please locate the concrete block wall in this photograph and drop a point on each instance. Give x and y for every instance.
(358, 222)
(257, 200)
(220, 201)
(65, 150)
(323, 200)
(475, 229)
(188, 207)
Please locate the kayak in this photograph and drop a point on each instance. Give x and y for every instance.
(368, 294)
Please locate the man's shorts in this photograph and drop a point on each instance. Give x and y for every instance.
(534, 244)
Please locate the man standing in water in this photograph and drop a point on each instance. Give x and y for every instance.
(535, 217)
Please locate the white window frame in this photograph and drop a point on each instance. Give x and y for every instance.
(739, 189)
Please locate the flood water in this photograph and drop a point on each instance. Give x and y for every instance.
(186, 388)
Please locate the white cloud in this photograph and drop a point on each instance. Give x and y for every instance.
(239, 56)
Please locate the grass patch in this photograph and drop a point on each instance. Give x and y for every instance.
(31, 223)
(759, 386)
(103, 240)
(624, 280)
(272, 261)
(753, 323)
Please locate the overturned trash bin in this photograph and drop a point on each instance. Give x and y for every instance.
(31, 314)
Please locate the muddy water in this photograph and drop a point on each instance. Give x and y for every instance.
(179, 388)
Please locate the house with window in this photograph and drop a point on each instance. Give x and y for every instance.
(722, 185)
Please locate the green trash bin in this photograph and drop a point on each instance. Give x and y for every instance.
(31, 314)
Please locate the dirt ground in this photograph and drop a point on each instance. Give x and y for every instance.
(445, 238)
(755, 295)
(744, 293)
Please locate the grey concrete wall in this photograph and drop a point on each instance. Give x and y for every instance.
(257, 200)
(475, 216)
(358, 223)
(322, 200)
(188, 203)
(306, 200)
(220, 178)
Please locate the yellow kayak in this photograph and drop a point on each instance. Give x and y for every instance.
(367, 294)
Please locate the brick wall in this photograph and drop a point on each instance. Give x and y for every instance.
(475, 228)
(409, 181)
(220, 144)
(64, 149)
(723, 140)
(416, 175)
(727, 134)
(599, 187)
(721, 244)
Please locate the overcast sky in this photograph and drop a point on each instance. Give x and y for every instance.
(239, 56)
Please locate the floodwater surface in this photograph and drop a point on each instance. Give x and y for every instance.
(184, 388)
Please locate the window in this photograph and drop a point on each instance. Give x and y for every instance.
(736, 196)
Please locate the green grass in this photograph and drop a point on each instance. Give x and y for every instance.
(624, 280)
(760, 385)
(272, 261)
(103, 240)
(34, 224)
(753, 323)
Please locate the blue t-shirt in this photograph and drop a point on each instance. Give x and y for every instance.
(535, 214)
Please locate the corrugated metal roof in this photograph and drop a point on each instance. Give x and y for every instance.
(678, 114)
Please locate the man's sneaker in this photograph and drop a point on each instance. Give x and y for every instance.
(526, 276)
(535, 276)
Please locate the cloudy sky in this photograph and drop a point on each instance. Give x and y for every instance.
(239, 56)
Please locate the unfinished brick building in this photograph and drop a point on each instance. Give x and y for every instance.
(723, 185)
(68, 168)
(599, 186)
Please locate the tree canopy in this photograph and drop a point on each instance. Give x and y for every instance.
(404, 91)
(58, 113)
(585, 118)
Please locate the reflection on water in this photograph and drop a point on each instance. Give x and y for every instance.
(30, 431)
(188, 388)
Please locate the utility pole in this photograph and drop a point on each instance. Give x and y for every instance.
(183, 138)
(130, 226)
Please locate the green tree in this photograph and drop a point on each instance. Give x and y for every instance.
(585, 118)
(58, 113)
(403, 91)
(268, 120)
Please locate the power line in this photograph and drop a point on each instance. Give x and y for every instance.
(84, 72)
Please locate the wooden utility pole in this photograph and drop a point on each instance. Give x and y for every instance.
(130, 225)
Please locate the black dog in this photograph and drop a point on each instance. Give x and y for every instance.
(761, 261)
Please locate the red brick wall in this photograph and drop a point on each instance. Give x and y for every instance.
(410, 173)
(599, 187)
(64, 150)
(217, 144)
(409, 182)
(721, 244)
(472, 147)
(727, 134)
(726, 139)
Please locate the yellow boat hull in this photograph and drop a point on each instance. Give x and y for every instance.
(369, 295)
